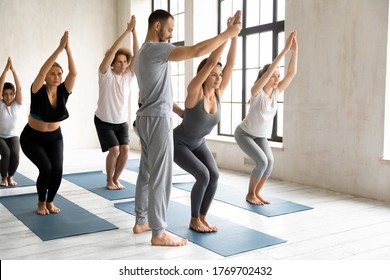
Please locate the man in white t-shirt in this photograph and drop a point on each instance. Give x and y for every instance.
(116, 73)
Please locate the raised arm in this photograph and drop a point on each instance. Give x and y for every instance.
(228, 69)
(135, 46)
(18, 86)
(260, 83)
(40, 79)
(292, 66)
(71, 77)
(195, 87)
(110, 54)
(207, 46)
(3, 76)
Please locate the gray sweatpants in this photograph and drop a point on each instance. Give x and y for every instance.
(154, 180)
(258, 149)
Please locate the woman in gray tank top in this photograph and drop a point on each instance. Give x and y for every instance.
(202, 113)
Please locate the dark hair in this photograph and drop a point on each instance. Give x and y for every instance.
(262, 71)
(9, 86)
(203, 63)
(123, 51)
(158, 15)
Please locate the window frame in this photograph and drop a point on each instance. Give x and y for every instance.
(276, 27)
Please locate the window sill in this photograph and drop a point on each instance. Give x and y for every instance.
(229, 139)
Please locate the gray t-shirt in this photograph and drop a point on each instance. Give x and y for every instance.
(153, 73)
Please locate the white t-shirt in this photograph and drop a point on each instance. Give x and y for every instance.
(263, 109)
(8, 119)
(114, 92)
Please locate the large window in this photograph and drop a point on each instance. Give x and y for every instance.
(259, 42)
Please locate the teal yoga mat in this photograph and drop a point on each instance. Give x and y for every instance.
(236, 196)
(229, 240)
(73, 219)
(22, 181)
(133, 165)
(95, 181)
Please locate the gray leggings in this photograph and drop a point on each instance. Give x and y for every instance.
(258, 149)
(199, 163)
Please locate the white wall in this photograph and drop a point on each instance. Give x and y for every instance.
(30, 32)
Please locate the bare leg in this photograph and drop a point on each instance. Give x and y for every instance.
(52, 208)
(167, 239)
(251, 196)
(42, 210)
(120, 164)
(258, 189)
(141, 228)
(111, 161)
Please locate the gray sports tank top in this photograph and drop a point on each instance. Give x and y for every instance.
(197, 123)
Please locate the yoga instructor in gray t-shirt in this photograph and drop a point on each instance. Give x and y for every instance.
(154, 123)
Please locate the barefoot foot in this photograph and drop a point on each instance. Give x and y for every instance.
(166, 239)
(141, 228)
(206, 223)
(42, 210)
(4, 182)
(263, 200)
(11, 181)
(197, 225)
(119, 185)
(52, 208)
(252, 199)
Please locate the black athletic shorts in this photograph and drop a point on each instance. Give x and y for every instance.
(111, 135)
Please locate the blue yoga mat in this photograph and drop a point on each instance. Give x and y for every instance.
(133, 165)
(236, 196)
(22, 181)
(73, 219)
(95, 181)
(230, 239)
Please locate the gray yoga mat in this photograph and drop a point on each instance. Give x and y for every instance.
(95, 181)
(229, 240)
(236, 196)
(72, 220)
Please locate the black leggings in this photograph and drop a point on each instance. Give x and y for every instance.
(201, 164)
(9, 150)
(45, 150)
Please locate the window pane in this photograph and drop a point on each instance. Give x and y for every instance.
(179, 27)
(266, 11)
(236, 85)
(253, 13)
(228, 8)
(252, 51)
(160, 4)
(225, 124)
(265, 48)
(281, 10)
(279, 120)
(236, 116)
